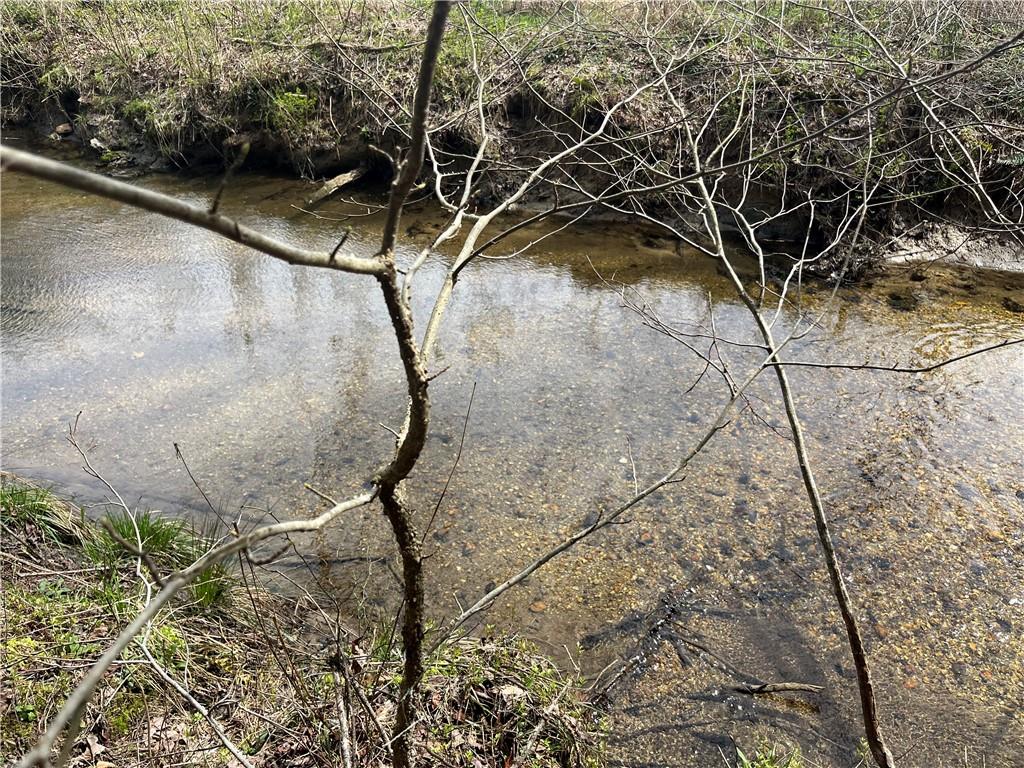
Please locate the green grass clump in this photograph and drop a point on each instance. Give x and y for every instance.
(29, 506)
(211, 586)
(770, 757)
(171, 544)
(291, 111)
(168, 541)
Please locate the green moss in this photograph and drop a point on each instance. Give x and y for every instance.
(138, 110)
(123, 713)
(290, 111)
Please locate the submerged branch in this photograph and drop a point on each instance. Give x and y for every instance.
(894, 368)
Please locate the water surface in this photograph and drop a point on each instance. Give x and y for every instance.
(268, 377)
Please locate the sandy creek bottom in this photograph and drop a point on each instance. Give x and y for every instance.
(268, 377)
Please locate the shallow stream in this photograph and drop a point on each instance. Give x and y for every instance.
(268, 377)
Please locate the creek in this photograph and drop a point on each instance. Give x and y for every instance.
(268, 377)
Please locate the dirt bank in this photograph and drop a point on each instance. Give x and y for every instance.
(317, 89)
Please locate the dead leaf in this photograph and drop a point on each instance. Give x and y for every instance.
(95, 748)
(512, 692)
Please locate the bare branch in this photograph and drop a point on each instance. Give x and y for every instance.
(24, 162)
(895, 368)
(410, 166)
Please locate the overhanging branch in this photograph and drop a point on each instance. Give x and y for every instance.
(49, 170)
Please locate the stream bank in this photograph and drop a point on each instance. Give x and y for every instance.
(274, 676)
(313, 88)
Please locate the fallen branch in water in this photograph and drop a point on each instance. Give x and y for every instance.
(894, 368)
(756, 690)
(332, 186)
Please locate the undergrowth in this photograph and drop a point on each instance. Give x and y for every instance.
(770, 757)
(274, 674)
(314, 84)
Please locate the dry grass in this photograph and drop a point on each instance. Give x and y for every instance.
(273, 670)
(313, 86)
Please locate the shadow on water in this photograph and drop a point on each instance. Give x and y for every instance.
(269, 377)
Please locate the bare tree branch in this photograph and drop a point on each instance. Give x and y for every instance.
(31, 165)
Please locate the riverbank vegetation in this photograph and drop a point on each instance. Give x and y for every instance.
(256, 658)
(316, 87)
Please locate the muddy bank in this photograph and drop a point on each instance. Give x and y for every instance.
(312, 88)
(928, 242)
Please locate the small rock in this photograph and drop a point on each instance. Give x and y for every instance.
(904, 302)
(967, 492)
(1011, 305)
(742, 508)
(995, 534)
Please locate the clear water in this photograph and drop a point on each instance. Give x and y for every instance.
(268, 377)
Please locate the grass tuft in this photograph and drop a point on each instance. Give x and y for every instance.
(170, 542)
(40, 511)
(770, 757)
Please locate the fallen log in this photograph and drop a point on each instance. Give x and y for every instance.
(334, 185)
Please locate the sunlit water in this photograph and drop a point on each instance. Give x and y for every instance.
(268, 377)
